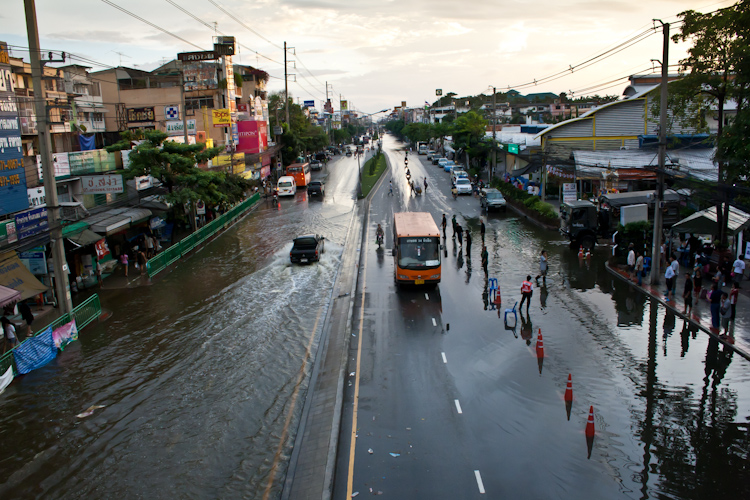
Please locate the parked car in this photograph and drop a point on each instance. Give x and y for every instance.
(436, 159)
(442, 161)
(492, 199)
(430, 154)
(307, 248)
(316, 188)
(457, 173)
(463, 186)
(448, 166)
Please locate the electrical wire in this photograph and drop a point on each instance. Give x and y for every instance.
(239, 21)
(135, 16)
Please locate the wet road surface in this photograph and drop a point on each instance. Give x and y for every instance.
(202, 374)
(454, 404)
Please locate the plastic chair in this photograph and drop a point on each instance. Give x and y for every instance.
(515, 315)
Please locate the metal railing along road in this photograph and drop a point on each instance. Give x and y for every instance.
(160, 262)
(84, 313)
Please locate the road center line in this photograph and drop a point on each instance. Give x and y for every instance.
(444, 359)
(355, 406)
(458, 406)
(479, 481)
(434, 323)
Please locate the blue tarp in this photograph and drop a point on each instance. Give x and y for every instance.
(87, 143)
(35, 352)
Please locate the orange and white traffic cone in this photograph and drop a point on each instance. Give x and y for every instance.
(590, 430)
(569, 388)
(580, 251)
(498, 299)
(588, 254)
(540, 351)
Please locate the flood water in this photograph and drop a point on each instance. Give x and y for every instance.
(202, 374)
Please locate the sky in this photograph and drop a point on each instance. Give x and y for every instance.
(373, 54)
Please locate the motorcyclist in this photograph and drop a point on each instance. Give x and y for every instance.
(379, 235)
(454, 192)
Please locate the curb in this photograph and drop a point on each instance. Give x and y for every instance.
(532, 219)
(700, 326)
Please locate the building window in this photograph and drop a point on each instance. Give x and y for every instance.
(196, 103)
(98, 117)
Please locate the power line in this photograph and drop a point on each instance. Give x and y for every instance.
(122, 9)
(238, 21)
(296, 56)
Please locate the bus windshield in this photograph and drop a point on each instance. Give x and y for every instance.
(419, 253)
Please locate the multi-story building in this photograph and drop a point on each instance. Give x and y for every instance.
(87, 106)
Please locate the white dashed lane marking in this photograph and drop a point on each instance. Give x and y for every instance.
(458, 406)
(444, 358)
(434, 323)
(479, 481)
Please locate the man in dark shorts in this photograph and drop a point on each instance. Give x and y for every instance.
(444, 224)
(527, 290)
(687, 294)
(481, 228)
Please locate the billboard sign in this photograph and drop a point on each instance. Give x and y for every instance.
(31, 222)
(35, 261)
(199, 76)
(206, 55)
(253, 137)
(174, 127)
(309, 104)
(101, 184)
(344, 105)
(13, 195)
(513, 148)
(569, 192)
(61, 162)
(140, 115)
(221, 117)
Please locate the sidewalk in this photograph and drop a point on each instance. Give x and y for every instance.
(739, 332)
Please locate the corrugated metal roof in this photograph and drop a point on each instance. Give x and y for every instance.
(697, 163)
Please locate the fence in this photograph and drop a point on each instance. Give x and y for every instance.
(84, 313)
(174, 253)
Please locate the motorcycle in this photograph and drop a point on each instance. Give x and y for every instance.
(379, 239)
(455, 193)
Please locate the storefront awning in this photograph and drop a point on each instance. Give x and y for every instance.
(85, 237)
(70, 230)
(13, 274)
(8, 296)
(704, 222)
(117, 219)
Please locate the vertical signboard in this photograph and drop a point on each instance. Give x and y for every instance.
(569, 192)
(13, 196)
(253, 137)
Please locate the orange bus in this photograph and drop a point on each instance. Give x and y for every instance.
(416, 240)
(300, 172)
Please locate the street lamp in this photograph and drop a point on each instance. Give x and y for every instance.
(359, 167)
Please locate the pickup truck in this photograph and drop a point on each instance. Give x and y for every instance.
(307, 248)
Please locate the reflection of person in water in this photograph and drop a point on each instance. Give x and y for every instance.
(543, 296)
(460, 260)
(525, 326)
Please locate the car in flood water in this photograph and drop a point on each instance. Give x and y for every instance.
(307, 248)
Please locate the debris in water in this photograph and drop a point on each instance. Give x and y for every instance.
(355, 494)
(89, 411)
(369, 450)
(394, 455)
(351, 374)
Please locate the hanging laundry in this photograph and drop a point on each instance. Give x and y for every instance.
(35, 352)
(6, 378)
(65, 334)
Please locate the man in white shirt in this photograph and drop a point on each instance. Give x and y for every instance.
(631, 261)
(669, 276)
(738, 269)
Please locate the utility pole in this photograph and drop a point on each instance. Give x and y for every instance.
(494, 126)
(184, 108)
(286, 88)
(656, 248)
(62, 291)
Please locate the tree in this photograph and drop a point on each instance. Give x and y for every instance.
(175, 165)
(469, 129)
(715, 63)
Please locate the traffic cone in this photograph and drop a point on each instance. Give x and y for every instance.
(590, 430)
(580, 251)
(540, 351)
(498, 299)
(569, 396)
(588, 254)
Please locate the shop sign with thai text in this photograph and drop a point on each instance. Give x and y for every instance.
(101, 184)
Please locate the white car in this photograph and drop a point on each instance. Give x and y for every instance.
(443, 161)
(457, 173)
(463, 186)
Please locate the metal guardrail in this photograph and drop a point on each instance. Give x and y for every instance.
(84, 313)
(160, 262)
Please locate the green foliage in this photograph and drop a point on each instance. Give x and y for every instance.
(369, 175)
(531, 201)
(175, 165)
(545, 209)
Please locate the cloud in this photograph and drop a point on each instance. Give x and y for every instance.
(92, 36)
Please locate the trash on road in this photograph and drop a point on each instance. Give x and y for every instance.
(394, 455)
(370, 451)
(89, 411)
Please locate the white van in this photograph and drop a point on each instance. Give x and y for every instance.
(286, 186)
